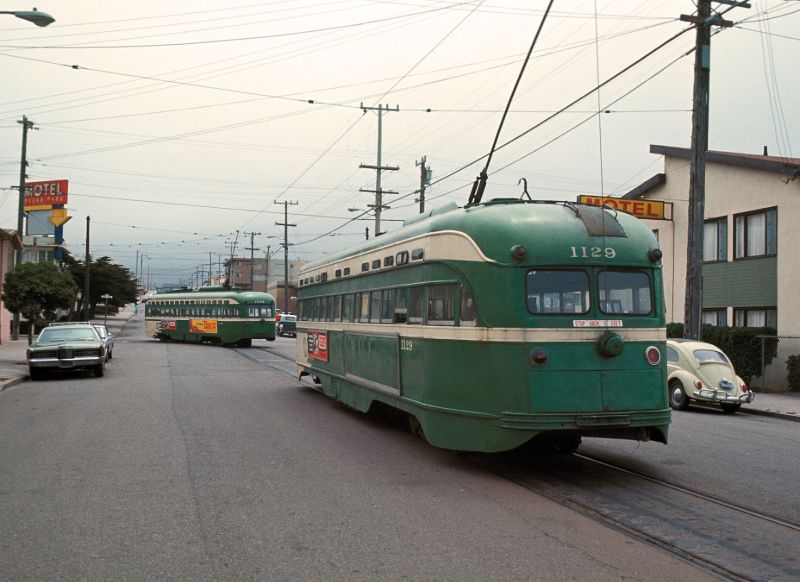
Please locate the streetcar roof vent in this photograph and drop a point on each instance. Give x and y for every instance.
(599, 221)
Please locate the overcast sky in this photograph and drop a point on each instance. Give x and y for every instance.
(179, 123)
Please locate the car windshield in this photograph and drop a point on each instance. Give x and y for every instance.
(75, 334)
(710, 356)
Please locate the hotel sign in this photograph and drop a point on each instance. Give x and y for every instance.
(45, 195)
(652, 209)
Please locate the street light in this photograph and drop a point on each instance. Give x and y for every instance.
(106, 297)
(38, 18)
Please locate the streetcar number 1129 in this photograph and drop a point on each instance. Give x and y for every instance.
(593, 252)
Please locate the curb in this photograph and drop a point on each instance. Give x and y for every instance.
(13, 382)
(772, 413)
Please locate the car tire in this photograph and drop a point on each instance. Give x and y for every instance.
(677, 395)
(99, 370)
(36, 373)
(730, 408)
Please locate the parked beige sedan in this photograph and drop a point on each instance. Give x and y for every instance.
(701, 372)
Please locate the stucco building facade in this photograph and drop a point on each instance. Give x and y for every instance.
(751, 258)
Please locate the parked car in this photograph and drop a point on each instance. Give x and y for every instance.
(72, 346)
(701, 372)
(287, 325)
(107, 336)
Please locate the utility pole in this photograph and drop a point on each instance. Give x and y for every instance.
(285, 244)
(23, 167)
(703, 22)
(252, 249)
(210, 268)
(424, 180)
(136, 268)
(378, 191)
(266, 268)
(86, 274)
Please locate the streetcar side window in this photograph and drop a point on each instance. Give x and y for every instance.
(363, 307)
(375, 306)
(347, 308)
(441, 304)
(337, 308)
(557, 291)
(624, 292)
(400, 305)
(416, 303)
(330, 314)
(468, 313)
(387, 306)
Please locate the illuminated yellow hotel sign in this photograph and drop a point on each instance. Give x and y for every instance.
(652, 209)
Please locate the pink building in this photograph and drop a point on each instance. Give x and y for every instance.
(9, 243)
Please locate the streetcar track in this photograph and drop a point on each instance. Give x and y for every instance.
(621, 526)
(697, 494)
(495, 465)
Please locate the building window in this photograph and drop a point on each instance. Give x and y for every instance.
(756, 317)
(716, 317)
(756, 234)
(715, 240)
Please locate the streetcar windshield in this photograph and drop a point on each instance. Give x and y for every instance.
(624, 292)
(551, 291)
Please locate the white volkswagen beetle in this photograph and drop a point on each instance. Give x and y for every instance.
(701, 372)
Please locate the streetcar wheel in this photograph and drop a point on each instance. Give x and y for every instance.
(677, 395)
(415, 427)
(728, 408)
(244, 343)
(566, 444)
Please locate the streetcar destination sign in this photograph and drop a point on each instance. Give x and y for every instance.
(653, 209)
(44, 195)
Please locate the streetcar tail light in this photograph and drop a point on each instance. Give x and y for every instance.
(653, 355)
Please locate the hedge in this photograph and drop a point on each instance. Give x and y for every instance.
(742, 345)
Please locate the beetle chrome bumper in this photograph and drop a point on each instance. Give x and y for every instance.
(721, 396)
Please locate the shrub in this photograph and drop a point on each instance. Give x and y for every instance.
(793, 372)
(742, 345)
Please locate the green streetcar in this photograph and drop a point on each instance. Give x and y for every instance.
(217, 315)
(496, 323)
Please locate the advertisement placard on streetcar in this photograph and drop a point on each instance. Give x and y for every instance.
(167, 325)
(203, 325)
(318, 345)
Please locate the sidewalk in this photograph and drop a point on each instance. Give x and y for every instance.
(13, 366)
(14, 370)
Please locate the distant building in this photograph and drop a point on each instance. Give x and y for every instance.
(9, 244)
(751, 273)
(38, 249)
(268, 276)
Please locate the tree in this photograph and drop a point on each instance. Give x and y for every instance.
(37, 290)
(106, 277)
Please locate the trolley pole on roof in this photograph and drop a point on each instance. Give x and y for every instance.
(252, 249)
(285, 244)
(703, 20)
(378, 191)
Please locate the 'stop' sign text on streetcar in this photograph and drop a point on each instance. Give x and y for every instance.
(653, 209)
(47, 193)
